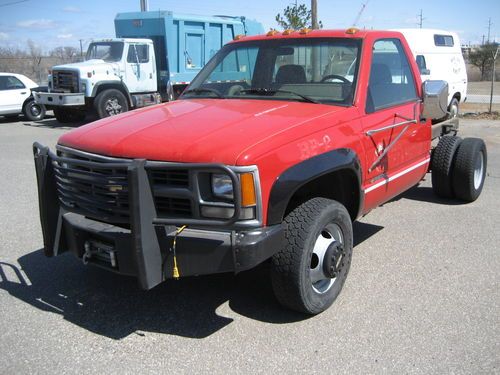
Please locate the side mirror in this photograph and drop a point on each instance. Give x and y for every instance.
(435, 99)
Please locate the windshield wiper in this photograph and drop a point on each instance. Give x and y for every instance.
(199, 90)
(265, 91)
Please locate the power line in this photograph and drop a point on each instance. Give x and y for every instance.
(13, 3)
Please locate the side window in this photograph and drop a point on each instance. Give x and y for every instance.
(443, 40)
(421, 63)
(10, 83)
(138, 54)
(391, 78)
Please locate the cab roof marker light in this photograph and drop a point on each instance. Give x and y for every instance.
(352, 30)
(238, 37)
(305, 30)
(288, 31)
(272, 32)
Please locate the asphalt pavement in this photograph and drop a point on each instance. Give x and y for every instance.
(422, 295)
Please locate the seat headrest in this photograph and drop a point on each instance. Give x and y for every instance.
(380, 73)
(289, 74)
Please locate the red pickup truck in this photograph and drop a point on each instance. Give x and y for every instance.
(276, 147)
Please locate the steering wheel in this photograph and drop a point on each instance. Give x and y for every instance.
(335, 76)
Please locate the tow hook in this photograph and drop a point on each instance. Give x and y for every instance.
(332, 261)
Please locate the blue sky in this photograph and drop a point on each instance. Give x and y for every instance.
(52, 23)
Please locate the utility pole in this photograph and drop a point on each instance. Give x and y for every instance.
(81, 47)
(495, 55)
(314, 14)
(489, 29)
(421, 19)
(483, 41)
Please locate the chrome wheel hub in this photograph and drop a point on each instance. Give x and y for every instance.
(113, 106)
(478, 171)
(327, 258)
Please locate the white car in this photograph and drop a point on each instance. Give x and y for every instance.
(16, 97)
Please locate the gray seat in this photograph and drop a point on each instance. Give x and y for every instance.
(290, 74)
(380, 73)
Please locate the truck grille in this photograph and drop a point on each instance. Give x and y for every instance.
(94, 189)
(97, 187)
(65, 81)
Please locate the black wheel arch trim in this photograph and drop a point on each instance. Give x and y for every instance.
(114, 85)
(292, 179)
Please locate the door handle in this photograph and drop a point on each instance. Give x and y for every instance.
(24, 92)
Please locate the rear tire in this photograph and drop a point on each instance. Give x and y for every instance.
(66, 115)
(470, 169)
(33, 111)
(442, 165)
(110, 102)
(309, 271)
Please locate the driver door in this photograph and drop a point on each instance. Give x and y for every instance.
(13, 93)
(140, 68)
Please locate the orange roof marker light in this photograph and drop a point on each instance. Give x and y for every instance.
(238, 37)
(305, 30)
(272, 32)
(288, 31)
(352, 30)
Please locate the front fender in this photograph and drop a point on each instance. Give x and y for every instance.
(300, 174)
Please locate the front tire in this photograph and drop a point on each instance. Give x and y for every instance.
(110, 102)
(33, 111)
(309, 271)
(453, 108)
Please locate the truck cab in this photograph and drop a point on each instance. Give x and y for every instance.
(117, 74)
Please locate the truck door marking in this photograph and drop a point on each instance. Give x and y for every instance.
(397, 175)
(312, 147)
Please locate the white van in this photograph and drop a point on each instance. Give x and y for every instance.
(439, 56)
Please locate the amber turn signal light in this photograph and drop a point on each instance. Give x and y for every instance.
(248, 196)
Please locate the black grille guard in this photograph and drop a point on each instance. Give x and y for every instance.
(143, 218)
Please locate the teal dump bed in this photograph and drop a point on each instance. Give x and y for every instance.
(183, 43)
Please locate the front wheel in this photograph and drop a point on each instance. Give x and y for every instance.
(33, 111)
(309, 271)
(453, 108)
(110, 102)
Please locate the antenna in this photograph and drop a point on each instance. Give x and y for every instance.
(363, 6)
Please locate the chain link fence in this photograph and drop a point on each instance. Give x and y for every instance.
(483, 95)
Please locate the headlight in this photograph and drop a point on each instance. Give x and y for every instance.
(222, 186)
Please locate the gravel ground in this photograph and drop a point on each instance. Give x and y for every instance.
(422, 295)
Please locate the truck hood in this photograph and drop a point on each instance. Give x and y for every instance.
(95, 65)
(197, 130)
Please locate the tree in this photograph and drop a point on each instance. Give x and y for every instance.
(482, 57)
(295, 17)
(65, 54)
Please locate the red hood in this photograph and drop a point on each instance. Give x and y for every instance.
(198, 130)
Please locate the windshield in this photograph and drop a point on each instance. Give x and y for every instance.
(107, 51)
(319, 70)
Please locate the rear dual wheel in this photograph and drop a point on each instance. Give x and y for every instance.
(459, 168)
(309, 271)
